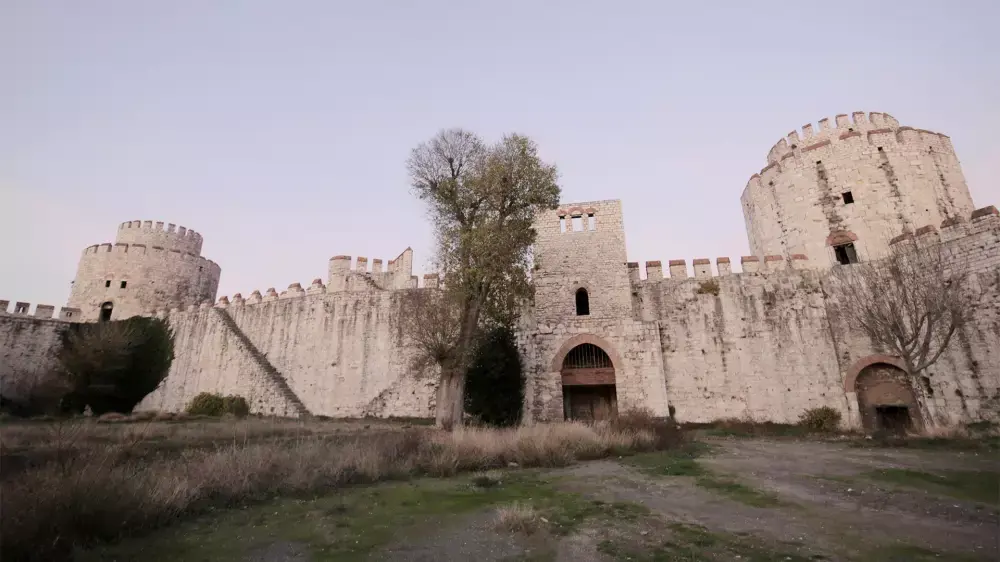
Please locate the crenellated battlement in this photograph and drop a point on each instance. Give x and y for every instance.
(397, 273)
(873, 127)
(701, 268)
(855, 124)
(952, 228)
(42, 311)
(142, 251)
(158, 233)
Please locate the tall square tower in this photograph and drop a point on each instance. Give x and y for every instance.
(581, 246)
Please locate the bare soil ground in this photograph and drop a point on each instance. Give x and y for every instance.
(723, 499)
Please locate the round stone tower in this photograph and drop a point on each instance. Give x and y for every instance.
(841, 192)
(148, 267)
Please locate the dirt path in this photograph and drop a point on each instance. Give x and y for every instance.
(825, 508)
(828, 507)
(754, 500)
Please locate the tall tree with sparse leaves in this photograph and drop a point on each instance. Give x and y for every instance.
(482, 200)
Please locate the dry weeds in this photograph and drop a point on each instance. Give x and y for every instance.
(517, 518)
(95, 484)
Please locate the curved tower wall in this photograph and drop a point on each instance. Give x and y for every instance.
(899, 178)
(161, 267)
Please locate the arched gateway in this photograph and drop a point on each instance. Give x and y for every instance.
(885, 399)
(588, 384)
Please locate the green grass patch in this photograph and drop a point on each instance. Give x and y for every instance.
(694, 543)
(683, 461)
(971, 485)
(739, 492)
(355, 522)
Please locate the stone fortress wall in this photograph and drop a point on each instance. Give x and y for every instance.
(702, 343)
(28, 342)
(148, 266)
(768, 343)
(862, 179)
(336, 349)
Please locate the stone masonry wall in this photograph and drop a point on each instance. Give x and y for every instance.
(342, 353)
(965, 381)
(900, 178)
(751, 345)
(27, 347)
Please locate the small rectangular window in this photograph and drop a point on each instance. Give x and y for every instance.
(846, 254)
(107, 283)
(124, 283)
(562, 224)
(591, 222)
(848, 197)
(577, 224)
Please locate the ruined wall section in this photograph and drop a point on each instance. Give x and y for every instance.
(342, 353)
(159, 268)
(397, 273)
(752, 345)
(899, 178)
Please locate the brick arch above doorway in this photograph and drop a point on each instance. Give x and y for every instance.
(580, 339)
(860, 364)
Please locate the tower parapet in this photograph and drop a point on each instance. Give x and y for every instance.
(149, 266)
(858, 176)
(155, 233)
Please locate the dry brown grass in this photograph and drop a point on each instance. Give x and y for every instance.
(99, 482)
(517, 518)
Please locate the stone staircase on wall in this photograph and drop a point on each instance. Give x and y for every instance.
(273, 374)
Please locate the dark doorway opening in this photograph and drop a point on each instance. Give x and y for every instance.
(846, 254)
(589, 403)
(106, 309)
(893, 419)
(582, 302)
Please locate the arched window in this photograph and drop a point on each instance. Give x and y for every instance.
(106, 309)
(582, 302)
(587, 356)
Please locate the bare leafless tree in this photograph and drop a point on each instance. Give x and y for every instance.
(482, 200)
(909, 303)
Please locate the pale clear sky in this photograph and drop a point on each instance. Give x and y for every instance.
(279, 130)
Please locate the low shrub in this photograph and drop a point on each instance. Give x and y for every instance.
(215, 405)
(236, 405)
(206, 404)
(823, 419)
(709, 287)
(665, 431)
(747, 427)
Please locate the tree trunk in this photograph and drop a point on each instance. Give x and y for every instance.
(451, 393)
(451, 398)
(921, 395)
